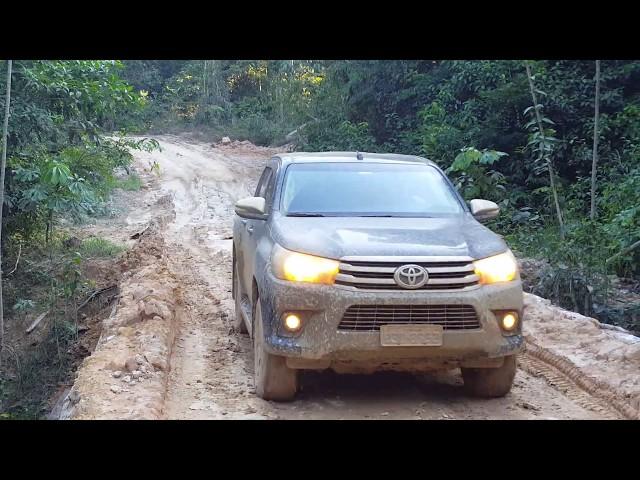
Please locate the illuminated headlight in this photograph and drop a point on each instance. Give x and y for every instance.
(499, 268)
(300, 267)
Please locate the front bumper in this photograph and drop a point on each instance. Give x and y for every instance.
(321, 345)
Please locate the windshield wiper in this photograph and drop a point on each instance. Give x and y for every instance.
(302, 214)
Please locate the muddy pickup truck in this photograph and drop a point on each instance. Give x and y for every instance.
(360, 262)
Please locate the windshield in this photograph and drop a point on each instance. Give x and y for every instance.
(367, 189)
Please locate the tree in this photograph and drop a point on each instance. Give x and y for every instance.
(595, 143)
(2, 168)
(473, 178)
(543, 148)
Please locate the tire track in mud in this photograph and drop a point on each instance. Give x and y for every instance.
(210, 375)
(566, 377)
(206, 379)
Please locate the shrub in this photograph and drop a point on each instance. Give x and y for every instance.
(99, 247)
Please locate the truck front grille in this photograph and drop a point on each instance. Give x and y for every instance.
(370, 317)
(445, 273)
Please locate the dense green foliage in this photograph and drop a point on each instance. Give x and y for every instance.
(58, 157)
(474, 118)
(61, 155)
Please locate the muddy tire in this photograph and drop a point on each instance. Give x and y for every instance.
(273, 379)
(238, 322)
(490, 382)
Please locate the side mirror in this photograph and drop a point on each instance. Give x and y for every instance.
(484, 209)
(251, 207)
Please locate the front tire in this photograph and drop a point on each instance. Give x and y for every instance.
(273, 379)
(490, 382)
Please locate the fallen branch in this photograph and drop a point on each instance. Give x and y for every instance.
(623, 252)
(289, 136)
(95, 294)
(36, 322)
(139, 234)
(17, 261)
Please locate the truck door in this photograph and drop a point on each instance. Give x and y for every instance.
(253, 229)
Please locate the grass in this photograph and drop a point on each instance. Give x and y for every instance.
(132, 183)
(99, 247)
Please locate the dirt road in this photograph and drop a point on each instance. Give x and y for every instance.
(210, 371)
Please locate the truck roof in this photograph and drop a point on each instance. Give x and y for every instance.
(335, 157)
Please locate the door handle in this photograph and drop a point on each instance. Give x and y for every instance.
(250, 229)
(244, 221)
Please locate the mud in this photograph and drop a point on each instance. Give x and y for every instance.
(176, 306)
(131, 359)
(602, 359)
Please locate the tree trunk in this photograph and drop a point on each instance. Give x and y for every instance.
(281, 104)
(47, 235)
(205, 83)
(2, 167)
(549, 164)
(595, 143)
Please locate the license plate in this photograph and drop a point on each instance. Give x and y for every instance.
(411, 335)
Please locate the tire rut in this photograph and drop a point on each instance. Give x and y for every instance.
(568, 379)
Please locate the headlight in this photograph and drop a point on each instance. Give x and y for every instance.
(299, 267)
(499, 268)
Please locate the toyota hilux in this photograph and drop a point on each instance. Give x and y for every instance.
(361, 262)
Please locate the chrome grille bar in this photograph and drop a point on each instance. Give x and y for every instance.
(390, 281)
(346, 267)
(377, 273)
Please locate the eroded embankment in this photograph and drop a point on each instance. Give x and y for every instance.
(600, 359)
(126, 376)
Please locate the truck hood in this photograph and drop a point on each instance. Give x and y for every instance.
(336, 237)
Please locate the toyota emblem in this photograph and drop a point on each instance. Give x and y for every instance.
(411, 276)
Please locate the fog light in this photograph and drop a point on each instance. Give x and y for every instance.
(509, 321)
(292, 322)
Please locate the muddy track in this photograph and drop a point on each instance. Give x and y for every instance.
(209, 372)
(567, 377)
